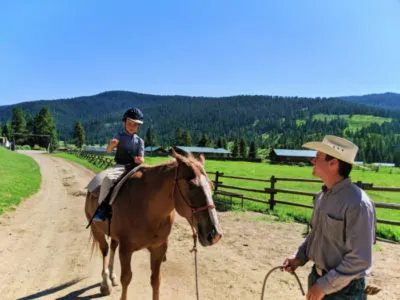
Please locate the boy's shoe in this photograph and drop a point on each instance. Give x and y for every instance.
(102, 213)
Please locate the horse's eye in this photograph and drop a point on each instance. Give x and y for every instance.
(191, 185)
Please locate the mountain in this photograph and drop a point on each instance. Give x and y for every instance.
(225, 116)
(269, 121)
(386, 100)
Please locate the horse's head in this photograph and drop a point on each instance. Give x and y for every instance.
(194, 199)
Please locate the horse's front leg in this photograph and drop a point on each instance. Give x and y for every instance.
(157, 255)
(125, 256)
(113, 248)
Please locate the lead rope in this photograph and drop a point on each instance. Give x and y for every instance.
(194, 234)
(276, 268)
(194, 250)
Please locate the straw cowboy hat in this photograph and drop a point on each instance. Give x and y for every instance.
(336, 147)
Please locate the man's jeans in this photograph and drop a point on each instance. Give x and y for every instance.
(354, 291)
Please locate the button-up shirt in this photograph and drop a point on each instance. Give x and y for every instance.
(342, 235)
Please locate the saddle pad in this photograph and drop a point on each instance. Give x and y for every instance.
(121, 182)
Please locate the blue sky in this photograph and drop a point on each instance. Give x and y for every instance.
(69, 48)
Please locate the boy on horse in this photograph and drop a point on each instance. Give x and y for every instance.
(130, 154)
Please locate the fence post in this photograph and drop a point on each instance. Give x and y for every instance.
(272, 194)
(216, 180)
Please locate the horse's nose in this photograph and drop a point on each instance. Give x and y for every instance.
(214, 236)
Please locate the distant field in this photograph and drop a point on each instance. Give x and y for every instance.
(389, 177)
(20, 178)
(356, 122)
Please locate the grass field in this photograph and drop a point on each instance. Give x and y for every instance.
(356, 122)
(388, 177)
(20, 178)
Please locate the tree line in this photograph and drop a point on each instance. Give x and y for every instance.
(245, 125)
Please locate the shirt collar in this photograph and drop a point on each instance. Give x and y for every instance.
(338, 186)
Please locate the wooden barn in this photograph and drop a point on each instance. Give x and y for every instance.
(155, 150)
(291, 156)
(206, 151)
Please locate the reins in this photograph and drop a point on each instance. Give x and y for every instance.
(276, 268)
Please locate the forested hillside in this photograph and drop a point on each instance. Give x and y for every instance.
(269, 121)
(386, 100)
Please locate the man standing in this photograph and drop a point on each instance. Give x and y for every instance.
(342, 227)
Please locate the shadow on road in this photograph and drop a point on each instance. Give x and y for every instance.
(75, 295)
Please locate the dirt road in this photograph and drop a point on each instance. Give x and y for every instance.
(45, 251)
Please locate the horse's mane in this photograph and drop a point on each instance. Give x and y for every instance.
(190, 159)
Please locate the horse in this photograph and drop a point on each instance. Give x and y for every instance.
(143, 214)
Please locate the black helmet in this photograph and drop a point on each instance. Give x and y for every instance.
(134, 114)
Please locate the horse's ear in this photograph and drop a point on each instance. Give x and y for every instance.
(202, 159)
(173, 152)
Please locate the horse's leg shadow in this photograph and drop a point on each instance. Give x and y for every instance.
(75, 295)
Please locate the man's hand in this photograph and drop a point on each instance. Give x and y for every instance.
(315, 293)
(290, 264)
(138, 159)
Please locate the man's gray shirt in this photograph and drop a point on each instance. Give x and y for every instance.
(342, 235)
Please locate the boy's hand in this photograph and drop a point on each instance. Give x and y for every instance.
(114, 143)
(138, 159)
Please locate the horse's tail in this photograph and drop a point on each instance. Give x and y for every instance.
(94, 245)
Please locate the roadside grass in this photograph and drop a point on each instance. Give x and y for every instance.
(387, 177)
(20, 178)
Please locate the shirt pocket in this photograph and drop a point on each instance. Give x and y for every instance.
(333, 227)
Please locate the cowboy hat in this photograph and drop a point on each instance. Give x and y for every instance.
(336, 147)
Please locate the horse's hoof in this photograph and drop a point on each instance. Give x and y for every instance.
(114, 281)
(372, 289)
(105, 290)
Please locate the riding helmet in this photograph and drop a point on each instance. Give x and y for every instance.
(133, 114)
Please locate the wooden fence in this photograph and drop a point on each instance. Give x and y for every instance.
(222, 189)
(272, 190)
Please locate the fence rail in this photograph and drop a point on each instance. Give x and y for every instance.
(272, 191)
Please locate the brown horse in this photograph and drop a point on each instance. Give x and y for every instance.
(143, 214)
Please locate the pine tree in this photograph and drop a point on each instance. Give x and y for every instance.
(235, 149)
(6, 130)
(242, 147)
(44, 124)
(204, 141)
(150, 138)
(178, 137)
(186, 138)
(18, 125)
(79, 135)
(253, 150)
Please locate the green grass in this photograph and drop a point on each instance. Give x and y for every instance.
(356, 122)
(20, 178)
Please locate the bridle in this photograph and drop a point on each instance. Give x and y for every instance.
(193, 209)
